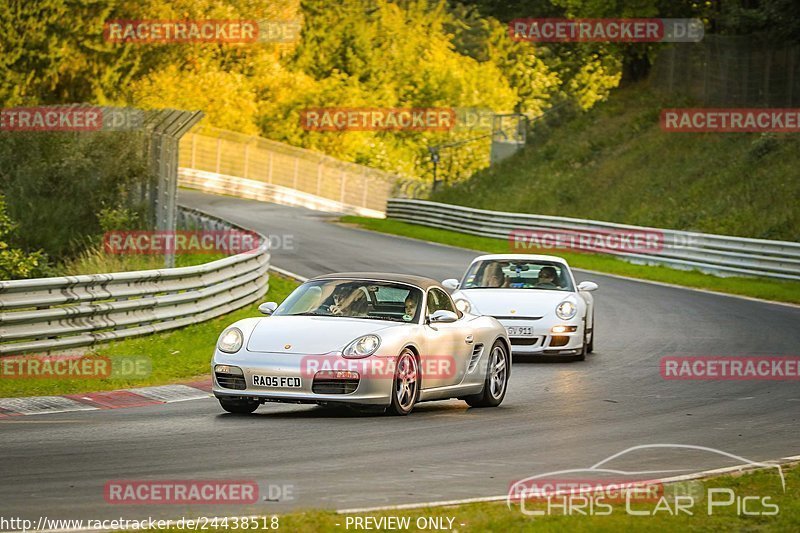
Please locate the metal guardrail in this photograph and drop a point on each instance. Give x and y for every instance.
(716, 254)
(40, 315)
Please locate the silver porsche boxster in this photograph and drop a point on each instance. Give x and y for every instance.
(382, 340)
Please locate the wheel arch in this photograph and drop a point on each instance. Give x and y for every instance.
(507, 346)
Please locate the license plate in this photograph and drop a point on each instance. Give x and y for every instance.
(519, 331)
(276, 381)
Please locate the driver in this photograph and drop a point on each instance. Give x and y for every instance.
(340, 295)
(547, 278)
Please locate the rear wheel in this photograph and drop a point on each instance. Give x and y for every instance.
(405, 391)
(496, 382)
(239, 407)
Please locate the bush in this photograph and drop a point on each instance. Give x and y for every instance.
(57, 185)
(15, 263)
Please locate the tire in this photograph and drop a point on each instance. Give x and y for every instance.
(496, 381)
(405, 387)
(590, 347)
(239, 407)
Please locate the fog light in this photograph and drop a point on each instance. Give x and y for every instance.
(564, 329)
(227, 369)
(559, 340)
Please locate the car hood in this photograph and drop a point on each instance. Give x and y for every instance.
(514, 302)
(309, 335)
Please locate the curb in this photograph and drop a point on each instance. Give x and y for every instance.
(94, 401)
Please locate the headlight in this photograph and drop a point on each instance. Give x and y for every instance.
(231, 340)
(362, 346)
(463, 306)
(566, 310)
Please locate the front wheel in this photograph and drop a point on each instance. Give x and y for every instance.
(405, 391)
(496, 382)
(239, 407)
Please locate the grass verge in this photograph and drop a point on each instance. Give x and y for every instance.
(767, 289)
(178, 355)
(498, 517)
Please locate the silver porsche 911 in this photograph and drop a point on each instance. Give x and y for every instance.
(382, 340)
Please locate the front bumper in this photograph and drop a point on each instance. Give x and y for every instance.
(544, 341)
(371, 388)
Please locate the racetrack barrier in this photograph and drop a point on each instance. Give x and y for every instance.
(716, 254)
(39, 315)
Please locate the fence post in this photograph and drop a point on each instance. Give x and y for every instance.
(219, 154)
(366, 186)
(246, 158)
(319, 176)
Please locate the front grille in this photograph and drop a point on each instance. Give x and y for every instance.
(334, 386)
(524, 341)
(514, 317)
(231, 381)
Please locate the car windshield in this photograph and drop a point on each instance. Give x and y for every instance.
(378, 300)
(514, 274)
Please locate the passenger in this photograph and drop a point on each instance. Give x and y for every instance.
(411, 306)
(547, 278)
(356, 304)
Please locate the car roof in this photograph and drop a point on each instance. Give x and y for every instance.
(418, 281)
(526, 257)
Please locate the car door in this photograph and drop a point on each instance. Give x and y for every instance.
(448, 346)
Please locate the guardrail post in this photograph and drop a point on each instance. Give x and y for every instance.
(319, 176)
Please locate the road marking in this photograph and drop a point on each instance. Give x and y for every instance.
(288, 274)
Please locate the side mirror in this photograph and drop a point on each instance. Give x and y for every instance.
(450, 284)
(268, 308)
(442, 316)
(587, 286)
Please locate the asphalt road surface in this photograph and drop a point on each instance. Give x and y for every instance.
(555, 416)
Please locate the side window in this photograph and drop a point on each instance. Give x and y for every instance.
(438, 300)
